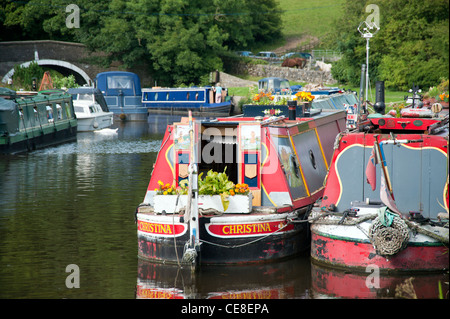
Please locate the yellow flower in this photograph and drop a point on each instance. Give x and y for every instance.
(160, 183)
(170, 190)
(165, 193)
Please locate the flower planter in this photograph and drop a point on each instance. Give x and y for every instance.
(210, 202)
(167, 203)
(252, 110)
(238, 204)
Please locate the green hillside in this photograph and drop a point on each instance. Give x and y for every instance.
(309, 17)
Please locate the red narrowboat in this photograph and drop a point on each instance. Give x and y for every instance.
(279, 163)
(386, 199)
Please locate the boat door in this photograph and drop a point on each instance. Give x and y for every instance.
(182, 147)
(249, 152)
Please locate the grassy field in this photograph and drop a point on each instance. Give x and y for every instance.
(310, 17)
(302, 18)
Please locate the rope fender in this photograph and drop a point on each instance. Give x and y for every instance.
(389, 240)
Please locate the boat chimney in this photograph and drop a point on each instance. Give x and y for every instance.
(292, 105)
(379, 106)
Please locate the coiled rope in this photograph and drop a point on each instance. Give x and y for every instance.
(389, 240)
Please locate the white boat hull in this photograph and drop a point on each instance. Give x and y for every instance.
(94, 123)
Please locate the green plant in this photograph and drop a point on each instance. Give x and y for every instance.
(66, 82)
(216, 183)
(23, 76)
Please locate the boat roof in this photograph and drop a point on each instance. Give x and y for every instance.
(43, 96)
(273, 78)
(116, 73)
(412, 122)
(8, 93)
(84, 90)
(7, 105)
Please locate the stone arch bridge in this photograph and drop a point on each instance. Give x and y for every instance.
(65, 57)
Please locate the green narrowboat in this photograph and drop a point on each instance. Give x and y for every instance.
(34, 120)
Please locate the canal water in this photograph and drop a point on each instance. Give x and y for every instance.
(69, 210)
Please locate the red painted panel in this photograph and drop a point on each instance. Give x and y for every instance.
(355, 254)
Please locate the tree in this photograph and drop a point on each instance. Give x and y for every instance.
(411, 47)
(180, 40)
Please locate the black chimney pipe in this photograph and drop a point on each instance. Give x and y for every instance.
(379, 106)
(292, 105)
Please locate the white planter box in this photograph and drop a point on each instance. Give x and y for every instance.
(239, 204)
(210, 201)
(168, 203)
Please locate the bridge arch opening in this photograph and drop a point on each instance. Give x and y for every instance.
(63, 67)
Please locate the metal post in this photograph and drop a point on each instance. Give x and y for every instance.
(364, 28)
(361, 104)
(367, 68)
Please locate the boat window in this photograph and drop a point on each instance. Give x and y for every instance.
(196, 96)
(167, 96)
(36, 113)
(68, 111)
(85, 97)
(120, 82)
(187, 96)
(91, 109)
(79, 109)
(21, 123)
(156, 96)
(59, 111)
(290, 165)
(49, 113)
(284, 85)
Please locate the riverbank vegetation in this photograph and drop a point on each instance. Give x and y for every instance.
(411, 46)
(181, 41)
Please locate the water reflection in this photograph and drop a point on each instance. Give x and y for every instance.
(296, 278)
(334, 283)
(281, 280)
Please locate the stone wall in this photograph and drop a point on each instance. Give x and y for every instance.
(292, 74)
(228, 80)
